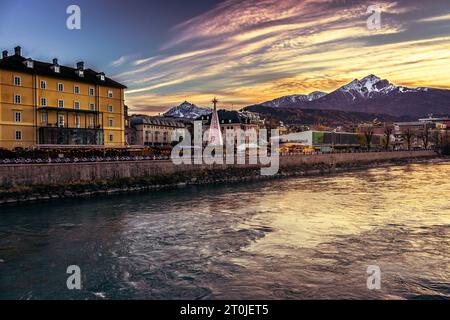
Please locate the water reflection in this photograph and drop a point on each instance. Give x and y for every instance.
(284, 239)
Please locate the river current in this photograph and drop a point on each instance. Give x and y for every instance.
(296, 238)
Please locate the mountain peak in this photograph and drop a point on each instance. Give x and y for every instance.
(366, 88)
(187, 110)
(371, 77)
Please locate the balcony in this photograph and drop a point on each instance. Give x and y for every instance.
(67, 110)
(70, 136)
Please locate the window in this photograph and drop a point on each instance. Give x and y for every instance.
(43, 84)
(57, 69)
(91, 122)
(76, 105)
(43, 102)
(110, 108)
(77, 121)
(17, 99)
(60, 103)
(44, 119)
(61, 87)
(92, 106)
(91, 92)
(17, 81)
(18, 135)
(111, 138)
(76, 90)
(18, 116)
(61, 121)
(110, 94)
(110, 122)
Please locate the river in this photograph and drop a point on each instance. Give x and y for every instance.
(296, 238)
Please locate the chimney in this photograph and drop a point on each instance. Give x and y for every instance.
(18, 51)
(80, 65)
(5, 54)
(55, 66)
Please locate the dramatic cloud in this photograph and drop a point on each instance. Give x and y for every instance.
(251, 51)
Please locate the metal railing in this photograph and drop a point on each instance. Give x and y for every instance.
(92, 159)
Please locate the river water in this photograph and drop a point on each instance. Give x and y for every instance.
(297, 238)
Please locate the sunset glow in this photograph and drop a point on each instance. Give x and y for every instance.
(248, 52)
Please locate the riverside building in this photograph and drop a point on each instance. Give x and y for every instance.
(47, 105)
(156, 131)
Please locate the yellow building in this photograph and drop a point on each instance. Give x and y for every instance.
(45, 105)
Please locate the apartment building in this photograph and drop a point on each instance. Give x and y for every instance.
(47, 105)
(156, 131)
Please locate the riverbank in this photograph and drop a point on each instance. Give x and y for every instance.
(83, 182)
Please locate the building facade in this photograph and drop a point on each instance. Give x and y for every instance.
(46, 105)
(328, 141)
(234, 125)
(412, 131)
(156, 131)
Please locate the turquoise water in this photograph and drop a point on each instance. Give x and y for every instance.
(298, 238)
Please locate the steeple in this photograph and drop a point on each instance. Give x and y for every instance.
(215, 137)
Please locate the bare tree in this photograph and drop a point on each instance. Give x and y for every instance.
(435, 138)
(425, 136)
(388, 132)
(368, 135)
(408, 135)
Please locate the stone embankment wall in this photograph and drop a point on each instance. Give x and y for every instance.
(57, 174)
(46, 181)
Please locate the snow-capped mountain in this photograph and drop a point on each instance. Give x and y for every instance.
(374, 95)
(367, 88)
(316, 95)
(187, 110)
(372, 87)
(293, 99)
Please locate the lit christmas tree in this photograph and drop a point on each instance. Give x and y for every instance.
(215, 134)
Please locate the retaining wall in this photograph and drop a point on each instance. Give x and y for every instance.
(73, 173)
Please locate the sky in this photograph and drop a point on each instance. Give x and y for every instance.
(242, 51)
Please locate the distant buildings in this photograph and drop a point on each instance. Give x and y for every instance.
(328, 141)
(441, 123)
(167, 131)
(156, 131)
(47, 105)
(409, 135)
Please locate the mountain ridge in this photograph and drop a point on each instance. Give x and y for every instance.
(372, 94)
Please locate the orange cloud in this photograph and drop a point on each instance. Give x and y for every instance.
(251, 51)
